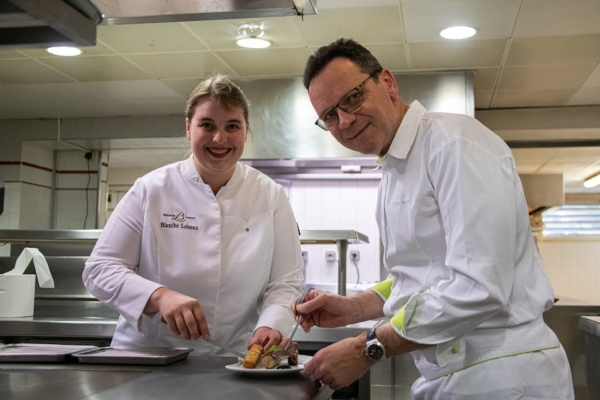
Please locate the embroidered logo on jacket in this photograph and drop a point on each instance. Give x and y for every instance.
(179, 222)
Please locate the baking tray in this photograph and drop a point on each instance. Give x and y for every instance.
(121, 355)
(33, 352)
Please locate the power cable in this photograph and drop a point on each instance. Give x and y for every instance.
(88, 156)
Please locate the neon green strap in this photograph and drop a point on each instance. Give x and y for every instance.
(397, 320)
(384, 288)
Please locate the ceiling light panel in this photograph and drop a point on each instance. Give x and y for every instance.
(424, 20)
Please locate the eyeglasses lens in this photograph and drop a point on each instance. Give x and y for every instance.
(348, 104)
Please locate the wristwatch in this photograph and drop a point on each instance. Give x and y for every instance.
(375, 349)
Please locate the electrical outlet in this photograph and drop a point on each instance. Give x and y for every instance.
(330, 255)
(305, 256)
(354, 255)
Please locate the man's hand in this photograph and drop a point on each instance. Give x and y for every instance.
(322, 309)
(331, 310)
(182, 313)
(265, 336)
(341, 363)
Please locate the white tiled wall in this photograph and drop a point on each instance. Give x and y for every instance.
(10, 217)
(338, 205)
(36, 183)
(70, 194)
(35, 207)
(573, 267)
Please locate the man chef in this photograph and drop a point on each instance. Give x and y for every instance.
(467, 288)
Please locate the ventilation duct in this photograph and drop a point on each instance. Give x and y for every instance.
(45, 23)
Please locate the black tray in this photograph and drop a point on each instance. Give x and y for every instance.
(120, 355)
(33, 352)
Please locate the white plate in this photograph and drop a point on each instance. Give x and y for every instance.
(260, 370)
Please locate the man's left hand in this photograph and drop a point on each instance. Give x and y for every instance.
(341, 363)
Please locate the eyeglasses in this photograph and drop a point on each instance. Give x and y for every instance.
(349, 103)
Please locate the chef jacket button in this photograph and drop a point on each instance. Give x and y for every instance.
(395, 292)
(247, 229)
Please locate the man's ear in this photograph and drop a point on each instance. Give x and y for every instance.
(390, 82)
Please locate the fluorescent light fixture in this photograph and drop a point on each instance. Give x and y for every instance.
(64, 51)
(251, 36)
(253, 43)
(458, 32)
(592, 181)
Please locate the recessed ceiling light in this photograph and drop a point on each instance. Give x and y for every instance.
(458, 32)
(64, 51)
(250, 36)
(592, 181)
(253, 43)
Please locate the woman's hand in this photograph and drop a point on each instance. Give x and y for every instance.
(266, 337)
(182, 313)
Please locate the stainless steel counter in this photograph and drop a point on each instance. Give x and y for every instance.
(341, 238)
(64, 320)
(193, 378)
(591, 327)
(93, 320)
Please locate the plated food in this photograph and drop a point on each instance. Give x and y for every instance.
(274, 360)
(251, 359)
(276, 357)
(261, 371)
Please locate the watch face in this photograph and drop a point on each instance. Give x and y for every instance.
(375, 352)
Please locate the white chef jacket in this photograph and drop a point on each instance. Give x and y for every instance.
(238, 253)
(466, 276)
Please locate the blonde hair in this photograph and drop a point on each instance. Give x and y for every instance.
(222, 89)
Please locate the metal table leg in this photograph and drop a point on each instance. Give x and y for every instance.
(342, 246)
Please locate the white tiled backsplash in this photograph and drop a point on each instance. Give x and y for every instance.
(337, 205)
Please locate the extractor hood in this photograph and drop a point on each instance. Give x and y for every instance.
(44, 23)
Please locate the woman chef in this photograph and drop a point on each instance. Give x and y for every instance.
(208, 244)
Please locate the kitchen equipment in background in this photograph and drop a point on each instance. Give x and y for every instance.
(2, 191)
(17, 291)
(142, 356)
(33, 353)
(591, 327)
(339, 238)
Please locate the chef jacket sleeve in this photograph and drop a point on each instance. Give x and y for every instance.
(285, 278)
(384, 288)
(476, 190)
(110, 272)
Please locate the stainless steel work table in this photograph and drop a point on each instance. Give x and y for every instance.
(193, 378)
(62, 319)
(341, 239)
(91, 321)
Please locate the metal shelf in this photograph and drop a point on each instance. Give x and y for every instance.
(341, 238)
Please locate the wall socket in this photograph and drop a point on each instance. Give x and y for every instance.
(330, 255)
(354, 255)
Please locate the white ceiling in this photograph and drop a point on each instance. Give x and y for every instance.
(527, 53)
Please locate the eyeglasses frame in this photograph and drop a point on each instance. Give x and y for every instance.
(342, 99)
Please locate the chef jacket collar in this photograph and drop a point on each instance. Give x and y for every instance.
(407, 132)
(189, 171)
